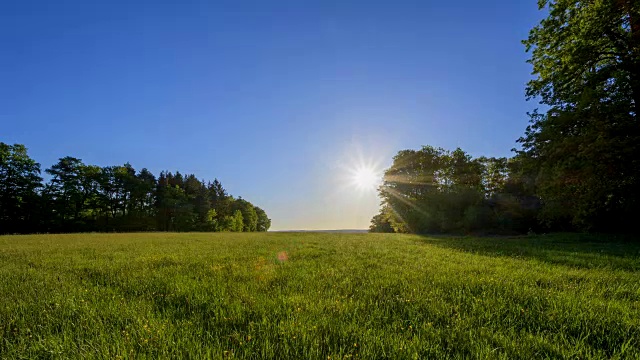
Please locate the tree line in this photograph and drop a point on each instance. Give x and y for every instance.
(80, 198)
(433, 190)
(578, 167)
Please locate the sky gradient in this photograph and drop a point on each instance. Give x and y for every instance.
(277, 99)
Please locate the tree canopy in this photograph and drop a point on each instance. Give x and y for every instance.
(81, 197)
(433, 190)
(584, 150)
(578, 166)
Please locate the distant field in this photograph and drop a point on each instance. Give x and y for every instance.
(317, 296)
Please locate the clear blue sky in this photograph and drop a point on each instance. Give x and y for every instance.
(277, 99)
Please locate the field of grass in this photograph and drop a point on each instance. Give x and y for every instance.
(318, 296)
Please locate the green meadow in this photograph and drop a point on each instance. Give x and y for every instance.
(318, 296)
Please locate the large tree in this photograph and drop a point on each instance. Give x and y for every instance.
(19, 182)
(587, 48)
(584, 148)
(264, 223)
(64, 193)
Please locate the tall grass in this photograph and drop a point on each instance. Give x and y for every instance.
(317, 296)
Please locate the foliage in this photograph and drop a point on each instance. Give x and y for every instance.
(263, 223)
(381, 222)
(578, 168)
(80, 197)
(19, 184)
(249, 214)
(159, 295)
(584, 149)
(432, 190)
(238, 223)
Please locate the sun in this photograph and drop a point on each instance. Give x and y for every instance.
(365, 178)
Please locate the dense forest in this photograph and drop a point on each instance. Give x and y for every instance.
(578, 165)
(80, 198)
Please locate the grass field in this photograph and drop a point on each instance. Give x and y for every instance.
(318, 296)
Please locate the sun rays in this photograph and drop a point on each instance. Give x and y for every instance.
(365, 178)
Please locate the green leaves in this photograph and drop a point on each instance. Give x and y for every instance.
(583, 151)
(82, 197)
(583, 45)
(19, 182)
(433, 190)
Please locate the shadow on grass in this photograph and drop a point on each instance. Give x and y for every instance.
(575, 250)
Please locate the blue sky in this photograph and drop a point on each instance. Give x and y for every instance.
(277, 99)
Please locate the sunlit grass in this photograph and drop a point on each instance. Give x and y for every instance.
(288, 295)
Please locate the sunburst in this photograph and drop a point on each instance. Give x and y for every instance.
(365, 178)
